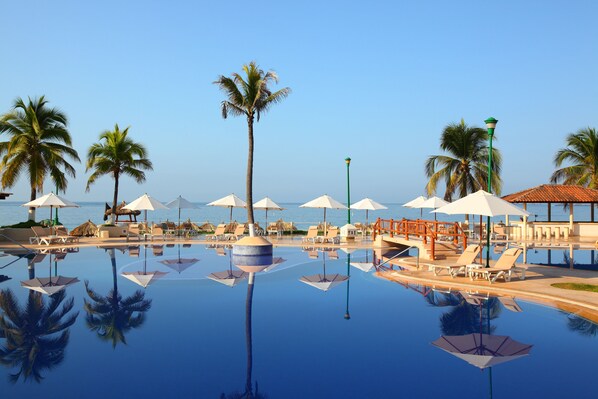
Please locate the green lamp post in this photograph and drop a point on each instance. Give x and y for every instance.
(490, 124)
(348, 162)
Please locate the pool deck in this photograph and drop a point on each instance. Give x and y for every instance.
(536, 287)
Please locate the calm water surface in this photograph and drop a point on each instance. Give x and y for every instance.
(188, 336)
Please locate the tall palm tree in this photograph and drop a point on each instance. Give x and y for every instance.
(582, 153)
(465, 167)
(250, 98)
(39, 144)
(36, 334)
(117, 154)
(111, 316)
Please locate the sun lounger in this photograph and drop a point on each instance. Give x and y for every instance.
(510, 304)
(460, 266)
(134, 251)
(504, 267)
(331, 236)
(133, 231)
(312, 235)
(40, 237)
(237, 234)
(218, 233)
(156, 232)
(62, 232)
(158, 250)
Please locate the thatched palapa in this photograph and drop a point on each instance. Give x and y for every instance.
(120, 211)
(87, 229)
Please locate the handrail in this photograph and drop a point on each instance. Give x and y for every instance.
(397, 255)
(426, 230)
(17, 243)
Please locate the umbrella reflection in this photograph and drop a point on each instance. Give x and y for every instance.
(49, 285)
(324, 281)
(179, 264)
(143, 277)
(229, 277)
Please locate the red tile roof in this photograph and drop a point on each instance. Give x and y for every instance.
(554, 193)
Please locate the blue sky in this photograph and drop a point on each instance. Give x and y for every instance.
(376, 81)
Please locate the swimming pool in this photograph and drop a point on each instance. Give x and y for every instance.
(189, 336)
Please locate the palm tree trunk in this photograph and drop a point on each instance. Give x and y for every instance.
(249, 181)
(248, 340)
(115, 199)
(31, 215)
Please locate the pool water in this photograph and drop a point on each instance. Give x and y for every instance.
(187, 336)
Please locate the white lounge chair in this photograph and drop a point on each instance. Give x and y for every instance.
(218, 233)
(504, 267)
(312, 235)
(460, 266)
(41, 237)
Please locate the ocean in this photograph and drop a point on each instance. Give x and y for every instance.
(12, 212)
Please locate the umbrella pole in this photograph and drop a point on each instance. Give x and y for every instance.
(179, 225)
(230, 220)
(324, 224)
(266, 226)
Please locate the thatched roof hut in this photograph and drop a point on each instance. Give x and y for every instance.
(87, 229)
(120, 211)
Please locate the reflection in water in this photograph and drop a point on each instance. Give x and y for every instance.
(143, 277)
(36, 335)
(581, 325)
(324, 281)
(258, 262)
(50, 285)
(111, 316)
(347, 314)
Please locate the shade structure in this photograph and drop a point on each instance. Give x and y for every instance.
(179, 264)
(432, 203)
(180, 203)
(51, 201)
(267, 204)
(482, 203)
(363, 266)
(368, 204)
(326, 202)
(49, 285)
(483, 350)
(414, 202)
(230, 201)
(145, 203)
(87, 229)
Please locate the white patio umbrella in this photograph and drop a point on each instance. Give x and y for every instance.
(51, 201)
(230, 201)
(433, 203)
(414, 202)
(369, 205)
(484, 204)
(267, 204)
(181, 203)
(145, 203)
(326, 202)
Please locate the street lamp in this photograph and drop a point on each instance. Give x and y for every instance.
(490, 124)
(348, 162)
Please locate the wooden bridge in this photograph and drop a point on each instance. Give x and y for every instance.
(434, 238)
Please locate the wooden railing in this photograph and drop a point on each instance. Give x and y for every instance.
(426, 230)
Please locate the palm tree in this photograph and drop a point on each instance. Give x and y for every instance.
(250, 98)
(465, 169)
(582, 153)
(116, 155)
(36, 336)
(39, 145)
(111, 316)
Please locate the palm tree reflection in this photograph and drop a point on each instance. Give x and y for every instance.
(582, 326)
(111, 316)
(36, 335)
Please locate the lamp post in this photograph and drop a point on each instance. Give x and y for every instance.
(490, 124)
(348, 162)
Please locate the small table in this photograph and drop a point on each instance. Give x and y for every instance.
(470, 269)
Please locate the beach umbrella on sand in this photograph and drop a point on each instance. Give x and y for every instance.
(49, 285)
(324, 281)
(145, 203)
(179, 264)
(50, 201)
(326, 202)
(414, 202)
(432, 202)
(87, 229)
(143, 277)
(369, 205)
(230, 201)
(180, 203)
(267, 204)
